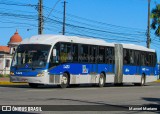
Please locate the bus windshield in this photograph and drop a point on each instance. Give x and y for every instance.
(31, 56)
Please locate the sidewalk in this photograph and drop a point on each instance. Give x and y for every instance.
(6, 81)
(158, 80)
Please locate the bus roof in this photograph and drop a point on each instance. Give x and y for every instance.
(52, 39)
(137, 47)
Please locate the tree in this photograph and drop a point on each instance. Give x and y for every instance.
(155, 15)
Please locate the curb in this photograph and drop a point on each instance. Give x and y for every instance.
(157, 80)
(10, 83)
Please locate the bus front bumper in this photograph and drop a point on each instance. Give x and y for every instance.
(39, 80)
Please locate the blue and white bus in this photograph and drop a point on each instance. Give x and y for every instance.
(66, 60)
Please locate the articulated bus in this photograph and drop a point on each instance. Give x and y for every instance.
(66, 60)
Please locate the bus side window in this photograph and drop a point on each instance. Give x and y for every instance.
(101, 57)
(131, 57)
(137, 58)
(143, 58)
(90, 58)
(69, 53)
(126, 56)
(83, 53)
(75, 52)
(94, 53)
(149, 59)
(152, 63)
(66, 54)
(112, 55)
(109, 55)
(154, 57)
(146, 59)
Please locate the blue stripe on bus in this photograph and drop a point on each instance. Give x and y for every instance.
(26, 71)
(79, 68)
(83, 69)
(138, 70)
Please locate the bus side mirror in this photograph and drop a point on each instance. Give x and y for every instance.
(54, 53)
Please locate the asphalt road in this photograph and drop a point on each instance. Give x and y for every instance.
(109, 95)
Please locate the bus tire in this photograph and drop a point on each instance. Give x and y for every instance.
(101, 80)
(64, 81)
(143, 81)
(33, 85)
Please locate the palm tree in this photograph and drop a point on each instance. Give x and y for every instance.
(155, 15)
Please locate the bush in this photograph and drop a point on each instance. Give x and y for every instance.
(4, 75)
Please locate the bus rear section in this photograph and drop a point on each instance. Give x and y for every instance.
(135, 64)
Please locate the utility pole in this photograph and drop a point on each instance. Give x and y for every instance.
(148, 27)
(40, 17)
(64, 18)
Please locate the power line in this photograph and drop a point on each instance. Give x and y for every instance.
(101, 23)
(52, 10)
(84, 26)
(13, 10)
(15, 4)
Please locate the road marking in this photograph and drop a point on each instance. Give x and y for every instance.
(59, 89)
(85, 88)
(41, 90)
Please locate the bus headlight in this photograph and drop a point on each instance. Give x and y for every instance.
(12, 73)
(40, 74)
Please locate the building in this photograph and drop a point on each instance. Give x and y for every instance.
(5, 56)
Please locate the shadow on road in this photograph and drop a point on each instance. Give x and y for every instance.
(25, 86)
(55, 86)
(152, 100)
(154, 103)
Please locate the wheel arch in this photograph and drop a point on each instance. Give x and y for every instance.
(144, 75)
(104, 74)
(67, 72)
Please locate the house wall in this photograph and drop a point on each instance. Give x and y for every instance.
(5, 63)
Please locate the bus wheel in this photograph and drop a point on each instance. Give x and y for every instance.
(101, 80)
(64, 81)
(33, 85)
(142, 80)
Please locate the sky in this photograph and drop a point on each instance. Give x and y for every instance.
(122, 21)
